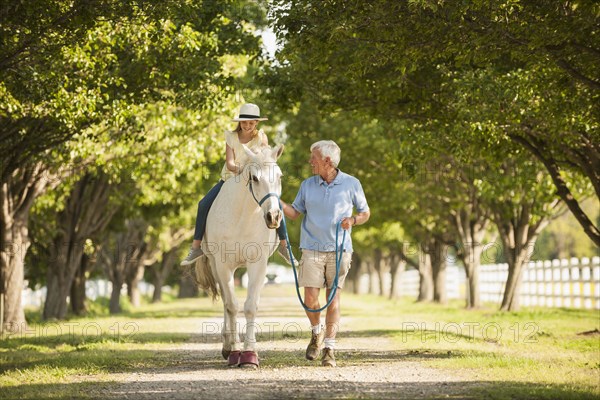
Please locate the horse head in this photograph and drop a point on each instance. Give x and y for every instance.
(263, 176)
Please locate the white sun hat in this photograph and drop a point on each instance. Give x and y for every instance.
(249, 112)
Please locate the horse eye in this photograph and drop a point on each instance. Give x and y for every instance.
(254, 178)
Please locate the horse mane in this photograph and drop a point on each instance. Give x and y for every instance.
(262, 151)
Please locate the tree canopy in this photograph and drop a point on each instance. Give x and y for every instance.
(528, 69)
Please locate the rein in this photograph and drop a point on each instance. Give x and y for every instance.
(338, 260)
(338, 252)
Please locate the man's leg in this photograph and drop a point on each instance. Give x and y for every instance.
(311, 299)
(332, 323)
(332, 319)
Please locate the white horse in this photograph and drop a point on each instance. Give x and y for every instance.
(240, 231)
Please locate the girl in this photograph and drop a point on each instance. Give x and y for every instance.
(246, 133)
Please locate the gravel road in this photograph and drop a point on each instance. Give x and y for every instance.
(368, 368)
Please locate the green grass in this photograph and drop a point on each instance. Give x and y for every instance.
(534, 353)
(60, 356)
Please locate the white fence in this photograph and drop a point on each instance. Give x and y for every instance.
(558, 283)
(93, 289)
(573, 283)
(408, 282)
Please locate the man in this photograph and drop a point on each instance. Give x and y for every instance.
(325, 199)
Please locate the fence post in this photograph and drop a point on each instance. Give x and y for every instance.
(551, 283)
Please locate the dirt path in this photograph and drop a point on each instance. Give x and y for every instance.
(368, 367)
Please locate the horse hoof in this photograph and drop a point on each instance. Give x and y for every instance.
(249, 359)
(225, 353)
(234, 359)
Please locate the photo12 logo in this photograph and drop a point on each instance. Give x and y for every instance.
(211, 332)
(50, 331)
(452, 332)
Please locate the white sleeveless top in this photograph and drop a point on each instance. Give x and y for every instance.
(240, 157)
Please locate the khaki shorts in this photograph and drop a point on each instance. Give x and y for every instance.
(317, 269)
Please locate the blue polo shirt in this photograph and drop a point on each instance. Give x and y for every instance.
(323, 206)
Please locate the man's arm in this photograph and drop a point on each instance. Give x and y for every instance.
(362, 217)
(358, 219)
(289, 211)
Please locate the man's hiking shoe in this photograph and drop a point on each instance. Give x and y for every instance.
(192, 256)
(314, 347)
(328, 359)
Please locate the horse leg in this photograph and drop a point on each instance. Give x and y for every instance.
(230, 333)
(256, 281)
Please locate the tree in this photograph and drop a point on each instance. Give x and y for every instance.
(386, 180)
(85, 215)
(563, 237)
(16, 197)
(170, 233)
(521, 202)
(354, 55)
(121, 253)
(83, 70)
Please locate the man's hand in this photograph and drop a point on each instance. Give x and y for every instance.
(347, 223)
(357, 219)
(289, 211)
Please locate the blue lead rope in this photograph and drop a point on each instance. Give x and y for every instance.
(338, 260)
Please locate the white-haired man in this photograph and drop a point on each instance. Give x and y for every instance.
(328, 197)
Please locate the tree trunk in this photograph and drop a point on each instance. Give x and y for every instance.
(158, 283)
(440, 294)
(129, 248)
(55, 306)
(60, 279)
(17, 194)
(473, 298)
(373, 284)
(518, 237)
(438, 269)
(14, 245)
(425, 279)
(77, 297)
(86, 213)
(160, 274)
(187, 287)
(470, 223)
(353, 276)
(114, 305)
(516, 265)
(135, 273)
(379, 267)
(397, 267)
(471, 259)
(134, 277)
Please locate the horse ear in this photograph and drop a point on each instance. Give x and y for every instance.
(277, 151)
(249, 152)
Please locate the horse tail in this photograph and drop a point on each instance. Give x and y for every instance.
(204, 277)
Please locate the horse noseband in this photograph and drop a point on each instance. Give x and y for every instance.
(266, 196)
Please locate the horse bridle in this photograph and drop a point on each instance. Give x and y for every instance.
(265, 197)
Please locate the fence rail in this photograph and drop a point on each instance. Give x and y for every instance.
(558, 283)
(573, 283)
(93, 289)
